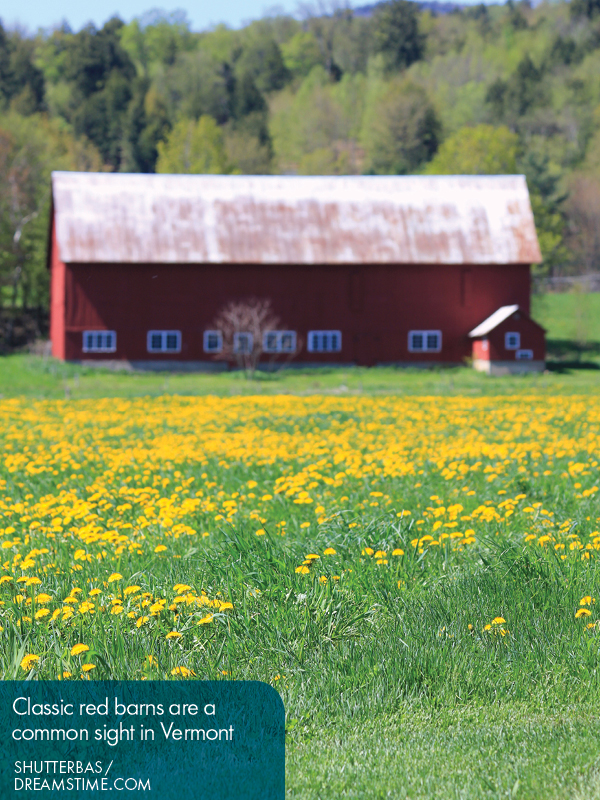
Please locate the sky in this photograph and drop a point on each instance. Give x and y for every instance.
(34, 14)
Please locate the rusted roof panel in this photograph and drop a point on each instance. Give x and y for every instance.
(127, 218)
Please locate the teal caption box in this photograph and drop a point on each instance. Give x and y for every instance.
(202, 740)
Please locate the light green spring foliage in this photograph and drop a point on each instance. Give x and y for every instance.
(194, 148)
(482, 150)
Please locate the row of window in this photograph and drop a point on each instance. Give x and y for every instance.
(276, 342)
(243, 342)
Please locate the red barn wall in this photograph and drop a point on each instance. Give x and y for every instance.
(374, 306)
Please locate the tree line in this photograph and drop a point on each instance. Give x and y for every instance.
(480, 90)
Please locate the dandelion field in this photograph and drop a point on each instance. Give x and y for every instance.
(417, 576)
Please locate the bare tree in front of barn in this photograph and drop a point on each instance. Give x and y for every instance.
(250, 329)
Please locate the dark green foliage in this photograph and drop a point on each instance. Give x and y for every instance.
(519, 94)
(263, 61)
(250, 112)
(146, 124)
(397, 33)
(565, 51)
(585, 8)
(246, 97)
(516, 19)
(95, 55)
(102, 74)
(21, 82)
(198, 84)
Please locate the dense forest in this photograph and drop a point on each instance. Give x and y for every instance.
(398, 89)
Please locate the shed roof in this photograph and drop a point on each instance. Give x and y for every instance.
(131, 218)
(493, 321)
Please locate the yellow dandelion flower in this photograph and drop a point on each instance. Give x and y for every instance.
(88, 667)
(205, 620)
(29, 661)
(173, 635)
(160, 548)
(329, 551)
(78, 649)
(302, 570)
(183, 672)
(116, 576)
(141, 621)
(582, 612)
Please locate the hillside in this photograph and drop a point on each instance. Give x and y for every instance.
(395, 88)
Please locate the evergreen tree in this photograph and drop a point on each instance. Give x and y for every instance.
(397, 33)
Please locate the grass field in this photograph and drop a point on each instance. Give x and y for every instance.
(38, 378)
(409, 557)
(571, 316)
(417, 575)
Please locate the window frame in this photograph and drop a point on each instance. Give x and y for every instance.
(508, 346)
(524, 354)
(327, 349)
(236, 340)
(279, 342)
(163, 348)
(101, 348)
(205, 346)
(425, 334)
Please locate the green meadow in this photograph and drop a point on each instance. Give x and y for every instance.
(409, 557)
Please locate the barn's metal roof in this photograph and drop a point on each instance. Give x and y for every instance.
(110, 218)
(493, 321)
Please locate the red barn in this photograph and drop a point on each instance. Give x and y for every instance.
(364, 270)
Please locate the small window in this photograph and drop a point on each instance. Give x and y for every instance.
(324, 341)
(164, 341)
(213, 341)
(424, 341)
(99, 341)
(279, 342)
(512, 340)
(243, 343)
(524, 355)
